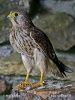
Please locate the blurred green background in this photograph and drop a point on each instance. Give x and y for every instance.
(56, 18)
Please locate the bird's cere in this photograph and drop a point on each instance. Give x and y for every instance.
(11, 15)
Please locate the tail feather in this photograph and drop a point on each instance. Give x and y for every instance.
(62, 68)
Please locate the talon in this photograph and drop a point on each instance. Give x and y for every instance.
(23, 85)
(40, 83)
(37, 84)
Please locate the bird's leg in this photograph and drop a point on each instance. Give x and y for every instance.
(40, 61)
(27, 61)
(40, 82)
(25, 83)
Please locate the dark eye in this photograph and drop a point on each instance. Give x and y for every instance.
(16, 14)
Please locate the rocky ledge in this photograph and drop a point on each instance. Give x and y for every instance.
(52, 90)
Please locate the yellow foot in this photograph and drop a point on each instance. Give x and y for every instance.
(23, 85)
(37, 84)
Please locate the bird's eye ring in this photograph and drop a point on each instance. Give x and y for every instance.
(16, 14)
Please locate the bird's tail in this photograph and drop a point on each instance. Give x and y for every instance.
(63, 68)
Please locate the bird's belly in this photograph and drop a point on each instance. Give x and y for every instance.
(23, 46)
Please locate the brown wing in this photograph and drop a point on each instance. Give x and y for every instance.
(42, 40)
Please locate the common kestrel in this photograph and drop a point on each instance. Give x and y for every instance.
(34, 46)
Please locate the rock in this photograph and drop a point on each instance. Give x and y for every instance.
(2, 97)
(55, 6)
(5, 50)
(59, 27)
(13, 63)
(45, 93)
(4, 86)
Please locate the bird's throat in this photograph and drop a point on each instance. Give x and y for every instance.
(14, 23)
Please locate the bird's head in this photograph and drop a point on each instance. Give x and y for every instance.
(19, 17)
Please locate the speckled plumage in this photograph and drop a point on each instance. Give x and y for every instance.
(33, 44)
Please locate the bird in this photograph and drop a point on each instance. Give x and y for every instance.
(34, 46)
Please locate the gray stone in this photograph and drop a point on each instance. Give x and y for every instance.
(5, 50)
(67, 93)
(59, 27)
(54, 6)
(4, 86)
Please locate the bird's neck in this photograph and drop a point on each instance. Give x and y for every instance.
(26, 26)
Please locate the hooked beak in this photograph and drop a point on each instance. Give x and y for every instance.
(8, 16)
(11, 16)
